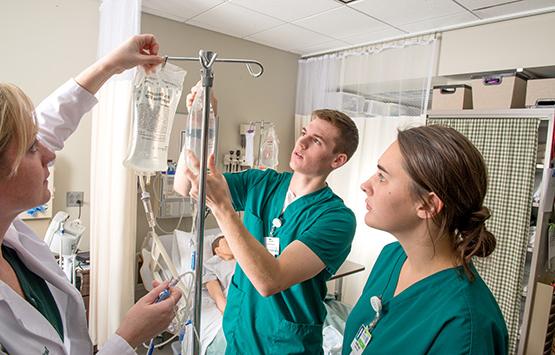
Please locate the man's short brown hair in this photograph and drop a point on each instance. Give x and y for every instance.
(347, 142)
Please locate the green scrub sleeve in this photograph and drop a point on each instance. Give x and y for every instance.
(454, 336)
(330, 237)
(477, 339)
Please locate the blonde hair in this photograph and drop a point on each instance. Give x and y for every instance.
(17, 124)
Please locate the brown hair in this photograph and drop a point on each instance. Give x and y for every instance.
(441, 160)
(348, 132)
(216, 243)
(16, 124)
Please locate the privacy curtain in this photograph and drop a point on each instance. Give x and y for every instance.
(382, 87)
(509, 147)
(113, 187)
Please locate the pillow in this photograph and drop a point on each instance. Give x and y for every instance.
(183, 246)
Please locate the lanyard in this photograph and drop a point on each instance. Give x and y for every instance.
(272, 243)
(276, 223)
(364, 334)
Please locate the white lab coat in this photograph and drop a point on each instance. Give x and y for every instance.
(23, 330)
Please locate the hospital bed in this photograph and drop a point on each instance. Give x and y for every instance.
(179, 247)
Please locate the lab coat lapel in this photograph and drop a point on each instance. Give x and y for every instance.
(28, 318)
(38, 258)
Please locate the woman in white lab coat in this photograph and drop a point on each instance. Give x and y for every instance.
(40, 311)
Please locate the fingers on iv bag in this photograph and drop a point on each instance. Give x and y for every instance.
(181, 184)
(193, 141)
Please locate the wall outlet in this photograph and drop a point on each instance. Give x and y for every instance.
(72, 197)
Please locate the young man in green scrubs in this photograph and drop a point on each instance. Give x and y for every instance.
(294, 236)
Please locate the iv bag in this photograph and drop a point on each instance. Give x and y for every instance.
(269, 149)
(249, 147)
(155, 98)
(193, 141)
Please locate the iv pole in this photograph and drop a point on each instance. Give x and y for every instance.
(206, 59)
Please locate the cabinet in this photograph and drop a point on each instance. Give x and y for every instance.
(511, 142)
(83, 275)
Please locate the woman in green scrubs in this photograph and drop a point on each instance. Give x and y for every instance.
(423, 295)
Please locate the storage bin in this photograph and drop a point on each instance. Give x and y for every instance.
(499, 91)
(540, 93)
(452, 97)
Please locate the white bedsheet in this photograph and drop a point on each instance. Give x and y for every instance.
(178, 246)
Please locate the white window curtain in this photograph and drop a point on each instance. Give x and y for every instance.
(113, 187)
(383, 88)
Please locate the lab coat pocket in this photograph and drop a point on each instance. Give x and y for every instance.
(232, 314)
(297, 338)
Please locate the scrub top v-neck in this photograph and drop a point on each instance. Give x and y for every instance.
(289, 322)
(444, 313)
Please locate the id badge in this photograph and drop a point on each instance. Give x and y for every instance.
(272, 245)
(361, 340)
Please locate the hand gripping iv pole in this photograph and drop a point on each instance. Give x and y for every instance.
(206, 59)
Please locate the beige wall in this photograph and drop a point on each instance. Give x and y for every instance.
(523, 42)
(47, 42)
(44, 43)
(241, 98)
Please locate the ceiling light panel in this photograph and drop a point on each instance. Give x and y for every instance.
(322, 47)
(178, 9)
(513, 8)
(478, 4)
(289, 37)
(342, 22)
(370, 37)
(438, 22)
(399, 12)
(288, 10)
(234, 20)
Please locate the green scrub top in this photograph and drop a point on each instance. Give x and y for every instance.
(289, 322)
(444, 313)
(36, 290)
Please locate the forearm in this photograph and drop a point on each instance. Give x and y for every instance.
(215, 291)
(262, 269)
(93, 77)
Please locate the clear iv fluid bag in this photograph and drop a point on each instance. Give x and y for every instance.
(269, 150)
(193, 141)
(155, 99)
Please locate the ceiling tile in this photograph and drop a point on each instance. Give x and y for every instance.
(331, 45)
(234, 20)
(399, 12)
(438, 22)
(478, 4)
(288, 37)
(177, 9)
(342, 22)
(288, 10)
(516, 7)
(369, 37)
